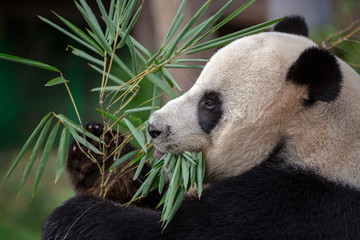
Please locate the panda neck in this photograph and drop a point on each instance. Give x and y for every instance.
(330, 147)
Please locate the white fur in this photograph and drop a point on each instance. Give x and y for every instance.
(260, 107)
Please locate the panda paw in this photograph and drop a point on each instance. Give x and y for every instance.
(84, 170)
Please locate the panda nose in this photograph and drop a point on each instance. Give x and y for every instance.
(153, 131)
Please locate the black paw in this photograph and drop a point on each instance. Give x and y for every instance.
(83, 164)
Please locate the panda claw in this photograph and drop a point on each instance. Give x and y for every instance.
(74, 149)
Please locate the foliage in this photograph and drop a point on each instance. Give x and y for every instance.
(99, 47)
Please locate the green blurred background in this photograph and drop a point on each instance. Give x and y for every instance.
(24, 99)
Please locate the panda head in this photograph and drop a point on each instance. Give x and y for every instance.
(269, 93)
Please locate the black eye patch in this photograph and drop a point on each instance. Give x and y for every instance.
(209, 111)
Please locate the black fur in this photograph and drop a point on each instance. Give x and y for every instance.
(293, 25)
(271, 201)
(209, 111)
(319, 69)
(85, 175)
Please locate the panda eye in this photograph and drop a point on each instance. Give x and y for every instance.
(208, 103)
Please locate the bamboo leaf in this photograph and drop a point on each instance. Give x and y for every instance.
(185, 172)
(221, 41)
(93, 45)
(78, 128)
(200, 175)
(82, 54)
(111, 77)
(94, 25)
(170, 79)
(159, 83)
(111, 88)
(123, 159)
(229, 18)
(182, 66)
(187, 27)
(130, 27)
(28, 62)
(139, 136)
(149, 182)
(26, 146)
(109, 23)
(116, 119)
(179, 198)
(47, 149)
(179, 17)
(81, 139)
(140, 109)
(173, 187)
(70, 35)
(33, 155)
(63, 147)
(121, 64)
(209, 22)
(134, 55)
(140, 167)
(128, 11)
(56, 81)
(162, 180)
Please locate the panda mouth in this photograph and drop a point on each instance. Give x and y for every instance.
(158, 154)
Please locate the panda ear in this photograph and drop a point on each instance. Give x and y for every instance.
(319, 69)
(292, 24)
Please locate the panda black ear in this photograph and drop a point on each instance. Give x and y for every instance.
(294, 25)
(319, 69)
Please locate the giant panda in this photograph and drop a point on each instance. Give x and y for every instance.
(278, 120)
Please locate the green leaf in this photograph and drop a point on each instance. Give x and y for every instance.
(123, 159)
(149, 182)
(111, 77)
(63, 148)
(140, 109)
(134, 55)
(222, 41)
(28, 62)
(94, 25)
(181, 60)
(179, 198)
(56, 81)
(72, 36)
(200, 175)
(130, 27)
(170, 79)
(140, 167)
(128, 12)
(86, 56)
(173, 187)
(208, 23)
(159, 83)
(121, 64)
(81, 139)
(185, 172)
(110, 88)
(179, 17)
(26, 146)
(47, 149)
(34, 153)
(116, 119)
(109, 24)
(229, 18)
(92, 44)
(78, 128)
(139, 136)
(192, 21)
(182, 66)
(162, 180)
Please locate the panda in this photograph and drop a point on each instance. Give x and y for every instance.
(277, 119)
